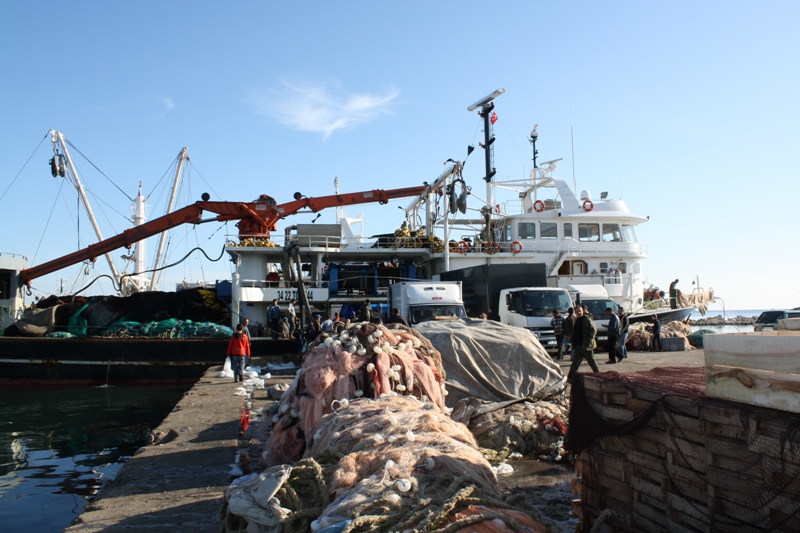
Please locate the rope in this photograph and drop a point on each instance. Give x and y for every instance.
(23, 166)
(33, 261)
(100, 171)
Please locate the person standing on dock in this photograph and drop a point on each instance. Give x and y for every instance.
(624, 322)
(246, 329)
(238, 351)
(613, 336)
(558, 329)
(583, 343)
(366, 311)
(656, 339)
(569, 324)
(274, 318)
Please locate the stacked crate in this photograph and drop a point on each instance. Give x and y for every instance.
(696, 465)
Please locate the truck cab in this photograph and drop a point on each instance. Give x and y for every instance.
(532, 308)
(419, 301)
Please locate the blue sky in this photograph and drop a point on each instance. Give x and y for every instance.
(689, 111)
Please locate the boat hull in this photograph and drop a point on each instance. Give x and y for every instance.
(87, 360)
(665, 316)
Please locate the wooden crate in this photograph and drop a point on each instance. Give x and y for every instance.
(759, 368)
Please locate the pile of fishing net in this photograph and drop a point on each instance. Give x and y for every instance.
(393, 463)
(517, 427)
(365, 361)
(92, 316)
(168, 329)
(640, 334)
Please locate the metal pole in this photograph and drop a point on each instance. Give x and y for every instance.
(182, 157)
(60, 137)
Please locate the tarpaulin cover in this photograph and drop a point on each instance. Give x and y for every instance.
(492, 361)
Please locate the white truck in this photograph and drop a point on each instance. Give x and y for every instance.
(597, 300)
(419, 301)
(532, 308)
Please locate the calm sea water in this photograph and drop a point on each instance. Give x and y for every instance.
(726, 314)
(58, 445)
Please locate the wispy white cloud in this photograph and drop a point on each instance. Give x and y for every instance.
(318, 109)
(169, 104)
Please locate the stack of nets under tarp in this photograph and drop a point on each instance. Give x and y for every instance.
(91, 316)
(394, 463)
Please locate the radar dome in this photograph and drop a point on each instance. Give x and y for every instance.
(586, 195)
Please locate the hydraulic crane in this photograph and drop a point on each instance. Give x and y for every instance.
(257, 219)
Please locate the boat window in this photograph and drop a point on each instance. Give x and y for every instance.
(508, 233)
(603, 267)
(549, 230)
(611, 233)
(527, 230)
(589, 232)
(568, 230)
(637, 268)
(623, 267)
(630, 235)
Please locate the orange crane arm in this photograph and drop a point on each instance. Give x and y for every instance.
(263, 215)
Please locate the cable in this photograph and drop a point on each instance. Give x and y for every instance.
(118, 287)
(47, 224)
(100, 171)
(23, 167)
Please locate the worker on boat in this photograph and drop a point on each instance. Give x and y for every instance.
(673, 295)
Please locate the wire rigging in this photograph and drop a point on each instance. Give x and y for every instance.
(50, 216)
(23, 166)
(100, 171)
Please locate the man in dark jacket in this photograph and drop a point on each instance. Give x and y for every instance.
(613, 336)
(623, 332)
(582, 341)
(396, 318)
(656, 340)
(558, 329)
(569, 323)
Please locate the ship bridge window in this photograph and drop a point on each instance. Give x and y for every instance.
(611, 233)
(527, 230)
(589, 232)
(623, 267)
(630, 235)
(549, 230)
(568, 230)
(508, 233)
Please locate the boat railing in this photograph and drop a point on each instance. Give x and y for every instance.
(17, 256)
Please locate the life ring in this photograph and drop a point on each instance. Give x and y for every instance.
(492, 247)
(462, 247)
(588, 205)
(497, 209)
(538, 206)
(516, 247)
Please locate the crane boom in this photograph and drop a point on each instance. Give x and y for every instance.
(257, 218)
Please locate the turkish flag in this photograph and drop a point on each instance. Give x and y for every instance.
(494, 118)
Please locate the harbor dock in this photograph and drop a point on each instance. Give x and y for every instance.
(178, 482)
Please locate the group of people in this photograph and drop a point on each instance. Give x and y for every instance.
(576, 333)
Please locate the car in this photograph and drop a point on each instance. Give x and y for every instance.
(768, 320)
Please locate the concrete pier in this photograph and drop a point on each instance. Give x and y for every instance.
(177, 483)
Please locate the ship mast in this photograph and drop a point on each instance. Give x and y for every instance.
(58, 138)
(182, 158)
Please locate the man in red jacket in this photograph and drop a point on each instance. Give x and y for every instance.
(238, 349)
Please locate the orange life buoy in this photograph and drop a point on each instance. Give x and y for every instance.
(516, 247)
(538, 206)
(497, 209)
(588, 205)
(492, 247)
(462, 247)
